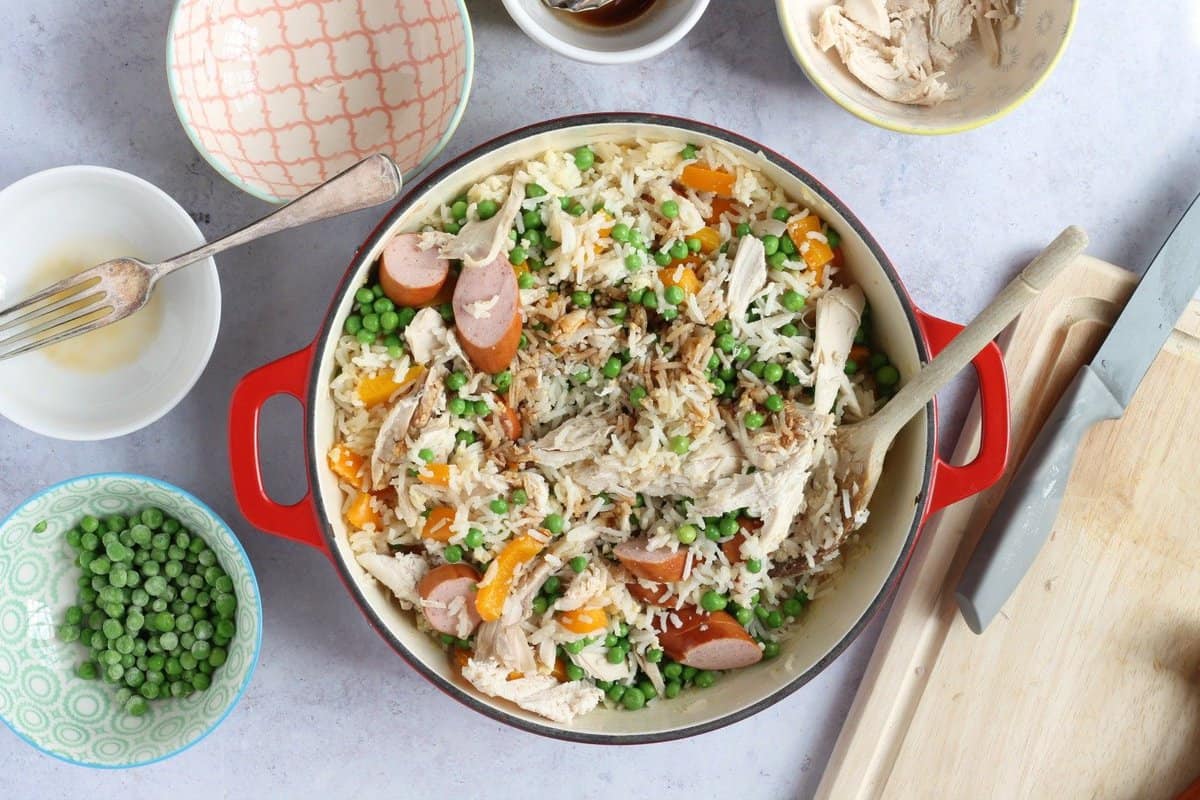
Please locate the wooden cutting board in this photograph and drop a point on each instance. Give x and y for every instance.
(1088, 683)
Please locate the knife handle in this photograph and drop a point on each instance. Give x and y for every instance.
(1026, 514)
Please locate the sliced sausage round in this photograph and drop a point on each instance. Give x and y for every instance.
(409, 275)
(487, 314)
(654, 596)
(709, 641)
(653, 565)
(440, 586)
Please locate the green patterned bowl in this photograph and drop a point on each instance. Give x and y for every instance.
(41, 699)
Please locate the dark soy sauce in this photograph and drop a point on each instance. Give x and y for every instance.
(615, 13)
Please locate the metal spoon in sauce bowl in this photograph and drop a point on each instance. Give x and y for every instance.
(575, 6)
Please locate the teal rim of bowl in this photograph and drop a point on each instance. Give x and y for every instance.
(224, 172)
(161, 484)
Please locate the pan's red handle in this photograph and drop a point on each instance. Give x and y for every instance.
(288, 375)
(950, 483)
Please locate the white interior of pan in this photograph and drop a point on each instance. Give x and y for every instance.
(827, 622)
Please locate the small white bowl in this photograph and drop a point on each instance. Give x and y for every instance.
(84, 212)
(661, 26)
(984, 93)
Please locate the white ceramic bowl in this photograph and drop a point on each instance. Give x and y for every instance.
(280, 97)
(986, 93)
(664, 24)
(83, 212)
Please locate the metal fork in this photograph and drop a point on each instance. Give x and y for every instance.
(111, 291)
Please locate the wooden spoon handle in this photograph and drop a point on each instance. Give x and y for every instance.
(985, 327)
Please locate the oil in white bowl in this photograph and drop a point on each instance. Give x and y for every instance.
(113, 346)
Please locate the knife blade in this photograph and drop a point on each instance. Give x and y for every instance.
(1102, 389)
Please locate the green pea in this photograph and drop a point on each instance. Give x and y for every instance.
(576, 647)
(551, 585)
(457, 406)
(679, 444)
(851, 367)
(670, 209)
(633, 262)
(686, 534)
(554, 523)
(793, 606)
(616, 693)
(636, 395)
(620, 232)
(89, 524)
(887, 375)
(526, 280)
(618, 310)
(774, 619)
(782, 214)
(481, 408)
(789, 330)
(407, 315)
(616, 655)
(650, 300)
(584, 158)
(770, 244)
(713, 601)
(458, 209)
(792, 300)
(718, 384)
(728, 525)
(722, 327)
(776, 260)
(672, 689)
(770, 649)
(474, 538)
(635, 296)
(654, 655)
(573, 672)
(774, 403)
(453, 554)
(633, 699)
(772, 373)
(752, 420)
(754, 566)
(456, 381)
(662, 258)
(679, 250)
(581, 298)
(742, 229)
(534, 190)
(612, 367)
(578, 564)
(673, 295)
(486, 209)
(688, 153)
(364, 296)
(743, 616)
(540, 604)
(726, 343)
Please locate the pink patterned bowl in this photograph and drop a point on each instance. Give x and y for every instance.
(280, 96)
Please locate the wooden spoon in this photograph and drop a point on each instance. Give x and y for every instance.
(863, 445)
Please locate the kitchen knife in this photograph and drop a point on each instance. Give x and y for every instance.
(1100, 390)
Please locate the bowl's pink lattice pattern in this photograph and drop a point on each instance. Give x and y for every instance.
(284, 94)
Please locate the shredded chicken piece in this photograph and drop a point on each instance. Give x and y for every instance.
(505, 644)
(839, 313)
(541, 694)
(576, 439)
(479, 242)
(747, 277)
(425, 335)
(401, 573)
(595, 663)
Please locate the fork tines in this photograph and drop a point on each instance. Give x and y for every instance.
(58, 312)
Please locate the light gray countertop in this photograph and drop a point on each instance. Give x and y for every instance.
(1111, 142)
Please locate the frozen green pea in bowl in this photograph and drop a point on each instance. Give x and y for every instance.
(130, 620)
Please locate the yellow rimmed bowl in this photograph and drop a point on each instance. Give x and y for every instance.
(983, 93)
